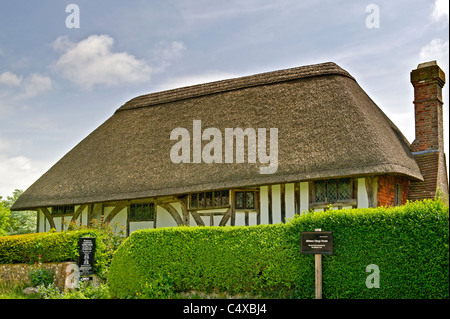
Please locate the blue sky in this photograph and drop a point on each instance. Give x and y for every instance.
(58, 84)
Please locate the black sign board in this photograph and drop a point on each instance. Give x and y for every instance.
(86, 248)
(317, 242)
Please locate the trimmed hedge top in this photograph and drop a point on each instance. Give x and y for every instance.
(409, 244)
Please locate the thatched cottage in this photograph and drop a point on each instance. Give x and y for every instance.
(333, 146)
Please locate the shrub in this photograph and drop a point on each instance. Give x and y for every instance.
(408, 243)
(86, 291)
(59, 247)
(40, 276)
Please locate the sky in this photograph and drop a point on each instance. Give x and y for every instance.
(66, 66)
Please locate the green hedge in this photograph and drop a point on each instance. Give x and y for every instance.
(409, 244)
(54, 247)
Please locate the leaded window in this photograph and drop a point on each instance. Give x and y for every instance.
(142, 212)
(62, 210)
(209, 200)
(245, 200)
(398, 194)
(329, 191)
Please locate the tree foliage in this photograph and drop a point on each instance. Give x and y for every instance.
(15, 222)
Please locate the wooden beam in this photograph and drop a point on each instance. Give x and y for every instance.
(269, 203)
(173, 212)
(114, 212)
(37, 220)
(97, 212)
(197, 218)
(128, 220)
(49, 217)
(184, 211)
(233, 207)
(258, 208)
(369, 190)
(283, 202)
(225, 217)
(297, 198)
(78, 212)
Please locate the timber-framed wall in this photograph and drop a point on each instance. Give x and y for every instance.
(275, 203)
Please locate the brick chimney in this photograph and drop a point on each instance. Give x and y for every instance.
(428, 146)
(428, 80)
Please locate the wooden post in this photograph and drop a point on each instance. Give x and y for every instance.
(318, 263)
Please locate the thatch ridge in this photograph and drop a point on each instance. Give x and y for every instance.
(221, 86)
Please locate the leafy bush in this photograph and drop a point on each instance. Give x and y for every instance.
(60, 246)
(408, 243)
(40, 276)
(160, 287)
(86, 291)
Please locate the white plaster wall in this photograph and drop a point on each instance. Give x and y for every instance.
(164, 219)
(264, 207)
(363, 200)
(47, 225)
(140, 225)
(57, 221)
(84, 216)
(276, 204)
(304, 197)
(120, 218)
(240, 218)
(207, 218)
(41, 221)
(217, 220)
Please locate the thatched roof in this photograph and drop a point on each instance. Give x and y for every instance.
(327, 127)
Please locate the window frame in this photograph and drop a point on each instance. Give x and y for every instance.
(351, 201)
(398, 194)
(132, 216)
(245, 200)
(212, 196)
(63, 210)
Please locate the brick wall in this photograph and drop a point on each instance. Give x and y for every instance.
(428, 80)
(386, 190)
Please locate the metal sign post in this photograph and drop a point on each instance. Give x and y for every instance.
(317, 242)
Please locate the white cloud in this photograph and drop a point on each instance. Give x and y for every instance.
(167, 52)
(31, 86)
(4, 145)
(18, 172)
(440, 10)
(15, 89)
(92, 62)
(10, 79)
(438, 50)
(36, 84)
